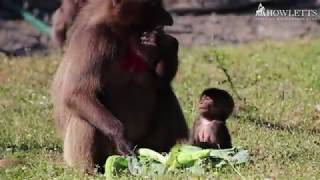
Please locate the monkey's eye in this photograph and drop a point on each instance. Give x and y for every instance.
(205, 97)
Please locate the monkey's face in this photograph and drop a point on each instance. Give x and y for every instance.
(206, 106)
(155, 15)
(216, 104)
(143, 15)
(211, 108)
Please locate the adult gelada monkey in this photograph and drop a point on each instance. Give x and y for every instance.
(112, 89)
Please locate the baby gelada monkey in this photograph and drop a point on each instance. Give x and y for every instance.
(209, 128)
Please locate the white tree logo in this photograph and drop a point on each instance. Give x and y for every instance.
(261, 10)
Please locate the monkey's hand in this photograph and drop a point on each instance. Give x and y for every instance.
(122, 147)
(59, 24)
(168, 45)
(149, 41)
(205, 135)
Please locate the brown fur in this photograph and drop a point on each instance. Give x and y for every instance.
(209, 129)
(63, 19)
(168, 66)
(102, 109)
(164, 52)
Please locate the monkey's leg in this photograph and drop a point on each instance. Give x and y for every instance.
(170, 126)
(84, 146)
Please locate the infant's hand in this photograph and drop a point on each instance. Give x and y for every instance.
(205, 135)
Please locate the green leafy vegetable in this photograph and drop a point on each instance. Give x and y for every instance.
(114, 165)
(187, 158)
(152, 155)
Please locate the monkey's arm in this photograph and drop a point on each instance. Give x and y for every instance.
(88, 51)
(167, 67)
(62, 20)
(193, 139)
(224, 139)
(58, 28)
(85, 105)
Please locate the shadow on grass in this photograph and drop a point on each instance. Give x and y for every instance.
(28, 147)
(250, 114)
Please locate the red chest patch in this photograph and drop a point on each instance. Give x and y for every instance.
(133, 63)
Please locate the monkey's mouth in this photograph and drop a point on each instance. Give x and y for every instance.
(142, 30)
(203, 108)
(203, 105)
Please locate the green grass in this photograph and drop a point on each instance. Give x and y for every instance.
(278, 85)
